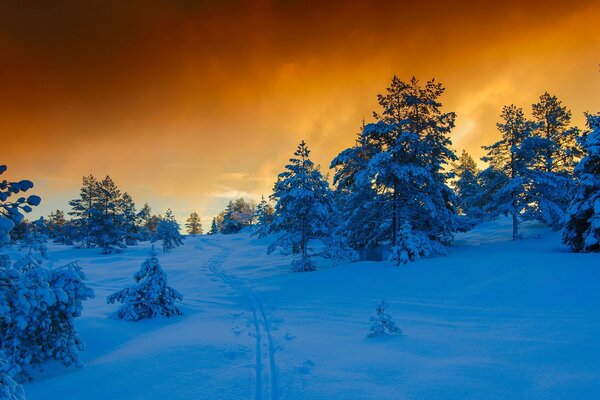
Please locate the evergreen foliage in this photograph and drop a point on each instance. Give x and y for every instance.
(150, 297)
(582, 229)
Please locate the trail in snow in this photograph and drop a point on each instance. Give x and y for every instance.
(259, 319)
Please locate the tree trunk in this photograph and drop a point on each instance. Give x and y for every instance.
(395, 215)
(515, 226)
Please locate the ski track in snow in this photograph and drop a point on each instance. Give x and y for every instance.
(262, 327)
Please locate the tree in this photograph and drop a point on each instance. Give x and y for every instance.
(562, 150)
(510, 158)
(304, 210)
(582, 230)
(59, 229)
(396, 173)
(168, 232)
(382, 323)
(108, 229)
(37, 304)
(9, 389)
(131, 229)
(10, 214)
(364, 224)
(237, 215)
(263, 217)
(214, 228)
(553, 151)
(193, 224)
(82, 210)
(468, 188)
(150, 297)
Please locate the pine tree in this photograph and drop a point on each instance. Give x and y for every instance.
(562, 149)
(553, 150)
(468, 188)
(108, 229)
(9, 389)
(382, 323)
(237, 215)
(129, 216)
(509, 158)
(150, 297)
(168, 232)
(193, 224)
(397, 170)
(214, 228)
(304, 209)
(263, 217)
(146, 227)
(364, 224)
(37, 304)
(59, 229)
(582, 230)
(82, 210)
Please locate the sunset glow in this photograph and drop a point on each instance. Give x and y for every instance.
(190, 104)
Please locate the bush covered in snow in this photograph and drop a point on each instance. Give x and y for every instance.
(150, 297)
(382, 323)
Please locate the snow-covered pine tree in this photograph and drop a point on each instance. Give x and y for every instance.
(382, 323)
(364, 223)
(553, 150)
(37, 304)
(150, 297)
(237, 215)
(582, 229)
(468, 189)
(304, 210)
(168, 232)
(82, 211)
(214, 228)
(9, 389)
(553, 120)
(509, 158)
(108, 222)
(193, 224)
(263, 217)
(131, 230)
(408, 150)
(46, 302)
(145, 224)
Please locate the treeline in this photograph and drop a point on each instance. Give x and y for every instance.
(104, 217)
(401, 192)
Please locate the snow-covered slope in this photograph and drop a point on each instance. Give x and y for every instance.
(493, 319)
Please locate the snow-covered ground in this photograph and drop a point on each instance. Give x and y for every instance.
(495, 319)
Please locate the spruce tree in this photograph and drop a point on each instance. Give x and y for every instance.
(150, 297)
(582, 229)
(193, 224)
(304, 210)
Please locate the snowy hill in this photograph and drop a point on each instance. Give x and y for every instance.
(493, 319)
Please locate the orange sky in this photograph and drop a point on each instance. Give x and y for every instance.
(187, 104)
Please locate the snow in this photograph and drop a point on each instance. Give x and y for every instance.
(495, 318)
